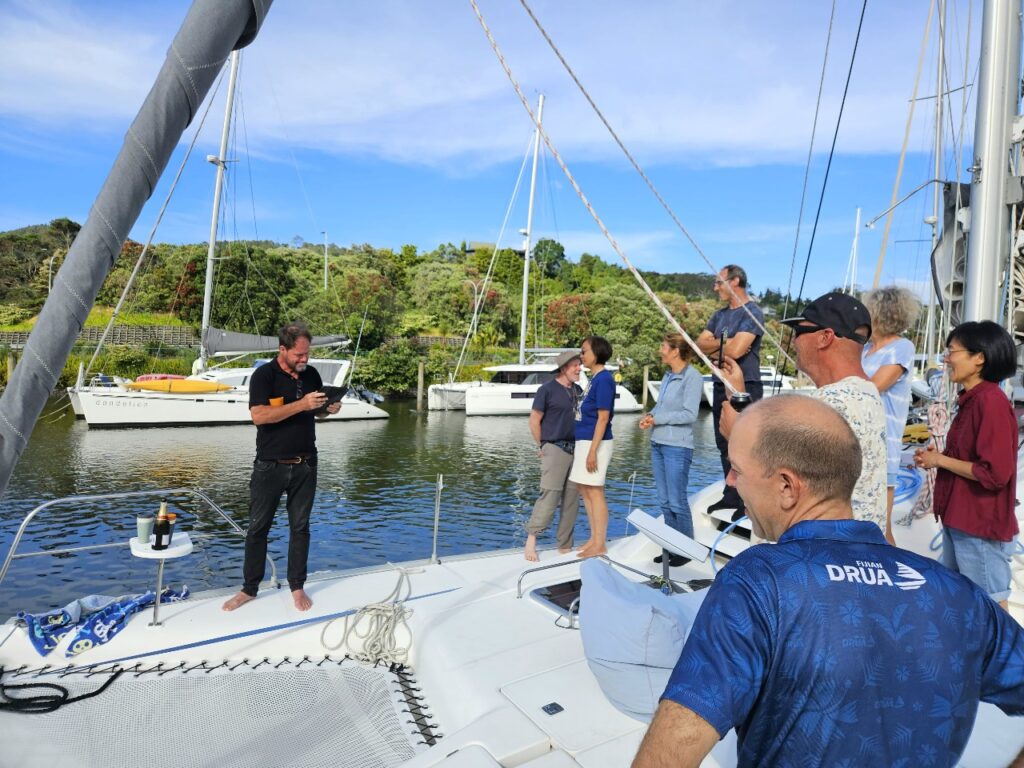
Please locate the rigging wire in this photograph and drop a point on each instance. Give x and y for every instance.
(832, 150)
(590, 209)
(636, 166)
(482, 294)
(807, 167)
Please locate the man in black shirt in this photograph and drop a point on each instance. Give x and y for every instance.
(283, 396)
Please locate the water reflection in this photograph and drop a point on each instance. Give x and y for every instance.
(375, 500)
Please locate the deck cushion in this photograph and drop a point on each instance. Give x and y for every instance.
(632, 636)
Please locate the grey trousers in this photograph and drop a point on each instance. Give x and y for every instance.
(555, 489)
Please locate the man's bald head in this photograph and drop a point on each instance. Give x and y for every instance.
(807, 437)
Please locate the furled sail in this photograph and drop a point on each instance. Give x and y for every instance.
(210, 31)
(222, 343)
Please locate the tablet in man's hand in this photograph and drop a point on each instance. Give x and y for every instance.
(334, 395)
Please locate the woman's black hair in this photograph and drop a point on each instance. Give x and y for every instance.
(601, 348)
(991, 340)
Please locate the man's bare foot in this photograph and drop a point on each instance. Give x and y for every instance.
(301, 600)
(531, 548)
(237, 601)
(592, 552)
(564, 550)
(585, 545)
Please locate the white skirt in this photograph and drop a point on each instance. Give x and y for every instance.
(579, 473)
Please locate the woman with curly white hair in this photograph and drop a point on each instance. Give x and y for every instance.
(888, 359)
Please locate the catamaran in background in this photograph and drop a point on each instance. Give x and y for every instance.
(214, 395)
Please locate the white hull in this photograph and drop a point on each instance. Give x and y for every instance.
(113, 407)
(116, 407)
(517, 399)
(495, 398)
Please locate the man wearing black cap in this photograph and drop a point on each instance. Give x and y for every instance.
(828, 337)
(553, 426)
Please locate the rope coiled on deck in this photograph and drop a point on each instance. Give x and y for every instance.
(376, 627)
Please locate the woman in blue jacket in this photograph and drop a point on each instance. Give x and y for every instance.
(671, 424)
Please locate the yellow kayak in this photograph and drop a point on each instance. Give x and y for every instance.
(178, 386)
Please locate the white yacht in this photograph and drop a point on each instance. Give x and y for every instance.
(511, 389)
(112, 404)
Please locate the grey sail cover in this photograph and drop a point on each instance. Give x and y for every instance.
(220, 342)
(210, 31)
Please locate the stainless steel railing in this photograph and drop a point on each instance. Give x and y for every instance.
(197, 493)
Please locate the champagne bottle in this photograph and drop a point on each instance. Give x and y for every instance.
(162, 529)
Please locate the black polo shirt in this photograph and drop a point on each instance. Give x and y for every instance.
(296, 435)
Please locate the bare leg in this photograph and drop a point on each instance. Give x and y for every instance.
(587, 503)
(237, 601)
(597, 513)
(301, 600)
(531, 548)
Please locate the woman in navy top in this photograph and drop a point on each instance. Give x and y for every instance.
(671, 425)
(594, 442)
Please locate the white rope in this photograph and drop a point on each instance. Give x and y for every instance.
(590, 209)
(375, 627)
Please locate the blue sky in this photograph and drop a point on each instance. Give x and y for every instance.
(391, 122)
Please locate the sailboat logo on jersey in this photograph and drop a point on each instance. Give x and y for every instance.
(874, 574)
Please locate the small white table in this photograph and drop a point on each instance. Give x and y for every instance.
(180, 546)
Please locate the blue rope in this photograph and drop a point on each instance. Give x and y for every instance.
(908, 483)
(714, 547)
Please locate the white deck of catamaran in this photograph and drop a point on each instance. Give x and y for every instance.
(482, 663)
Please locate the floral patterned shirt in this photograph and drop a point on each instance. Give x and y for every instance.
(857, 401)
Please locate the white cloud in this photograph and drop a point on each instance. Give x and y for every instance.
(722, 83)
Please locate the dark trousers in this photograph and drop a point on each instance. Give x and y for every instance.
(756, 390)
(268, 483)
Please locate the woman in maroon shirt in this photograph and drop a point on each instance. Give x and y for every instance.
(976, 481)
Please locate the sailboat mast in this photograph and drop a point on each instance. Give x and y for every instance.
(220, 161)
(988, 239)
(529, 232)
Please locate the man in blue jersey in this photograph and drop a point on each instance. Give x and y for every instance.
(831, 647)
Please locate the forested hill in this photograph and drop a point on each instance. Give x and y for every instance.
(400, 293)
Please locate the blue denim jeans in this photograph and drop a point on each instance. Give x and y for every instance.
(671, 466)
(986, 562)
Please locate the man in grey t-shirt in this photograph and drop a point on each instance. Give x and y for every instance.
(552, 425)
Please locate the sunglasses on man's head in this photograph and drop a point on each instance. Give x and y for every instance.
(800, 330)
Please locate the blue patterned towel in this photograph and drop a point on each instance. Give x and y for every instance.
(97, 617)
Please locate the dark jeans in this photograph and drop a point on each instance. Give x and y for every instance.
(268, 483)
(756, 390)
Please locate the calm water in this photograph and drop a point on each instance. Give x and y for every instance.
(375, 499)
